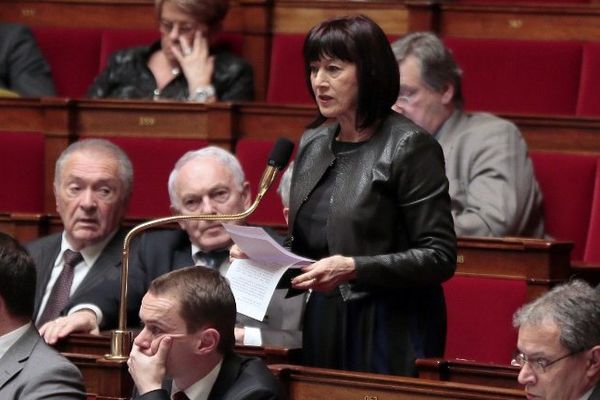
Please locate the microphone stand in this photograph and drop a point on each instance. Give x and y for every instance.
(122, 338)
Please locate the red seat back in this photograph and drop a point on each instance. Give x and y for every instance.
(498, 74)
(480, 314)
(287, 83)
(567, 184)
(592, 246)
(73, 55)
(22, 166)
(589, 100)
(153, 160)
(253, 154)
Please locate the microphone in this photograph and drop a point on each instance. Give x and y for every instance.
(121, 338)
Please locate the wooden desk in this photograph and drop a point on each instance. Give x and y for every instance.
(463, 371)
(325, 384)
(542, 263)
(508, 20)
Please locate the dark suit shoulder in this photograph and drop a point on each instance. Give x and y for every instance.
(44, 244)
(246, 378)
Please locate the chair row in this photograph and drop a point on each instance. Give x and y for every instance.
(499, 75)
(156, 134)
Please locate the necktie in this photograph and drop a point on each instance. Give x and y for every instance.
(180, 396)
(212, 259)
(59, 297)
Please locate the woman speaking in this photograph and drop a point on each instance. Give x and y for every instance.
(369, 201)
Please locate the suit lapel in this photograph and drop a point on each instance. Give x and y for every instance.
(182, 256)
(109, 258)
(45, 264)
(13, 361)
(227, 376)
(596, 393)
(305, 181)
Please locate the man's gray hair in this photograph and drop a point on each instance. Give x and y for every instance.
(438, 67)
(222, 155)
(575, 309)
(98, 146)
(284, 185)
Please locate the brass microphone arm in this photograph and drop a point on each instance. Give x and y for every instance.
(121, 338)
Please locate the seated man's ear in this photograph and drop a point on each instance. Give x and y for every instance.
(593, 361)
(208, 341)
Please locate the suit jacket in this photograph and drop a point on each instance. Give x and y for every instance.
(240, 378)
(33, 370)
(22, 66)
(159, 252)
(596, 393)
(107, 267)
(492, 183)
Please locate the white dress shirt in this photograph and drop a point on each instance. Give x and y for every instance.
(9, 339)
(201, 389)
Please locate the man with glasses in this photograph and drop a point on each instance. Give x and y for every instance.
(491, 178)
(559, 344)
(186, 347)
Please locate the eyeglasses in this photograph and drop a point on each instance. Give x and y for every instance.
(406, 95)
(183, 28)
(538, 365)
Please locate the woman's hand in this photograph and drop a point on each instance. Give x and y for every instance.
(326, 274)
(195, 61)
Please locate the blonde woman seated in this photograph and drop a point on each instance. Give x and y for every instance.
(182, 65)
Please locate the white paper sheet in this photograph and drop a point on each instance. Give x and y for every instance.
(254, 280)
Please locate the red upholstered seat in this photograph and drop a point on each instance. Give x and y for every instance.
(592, 246)
(287, 82)
(253, 154)
(73, 55)
(519, 76)
(480, 314)
(22, 172)
(589, 100)
(567, 184)
(153, 159)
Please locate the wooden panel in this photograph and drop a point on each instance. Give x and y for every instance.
(558, 133)
(154, 118)
(294, 16)
(270, 121)
(533, 21)
(541, 263)
(325, 384)
(463, 371)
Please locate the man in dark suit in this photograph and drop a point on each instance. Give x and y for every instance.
(187, 343)
(29, 368)
(559, 344)
(23, 69)
(92, 185)
(207, 181)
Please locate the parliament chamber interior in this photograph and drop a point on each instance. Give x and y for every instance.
(532, 62)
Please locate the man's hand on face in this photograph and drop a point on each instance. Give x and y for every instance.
(147, 366)
(82, 321)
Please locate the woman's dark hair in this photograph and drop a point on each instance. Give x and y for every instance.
(358, 40)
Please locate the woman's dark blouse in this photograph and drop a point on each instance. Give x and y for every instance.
(127, 76)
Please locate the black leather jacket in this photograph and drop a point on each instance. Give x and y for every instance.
(127, 76)
(390, 211)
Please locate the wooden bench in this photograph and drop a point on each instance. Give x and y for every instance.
(304, 383)
(464, 371)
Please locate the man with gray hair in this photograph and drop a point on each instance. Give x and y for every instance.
(92, 185)
(559, 344)
(491, 179)
(205, 181)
